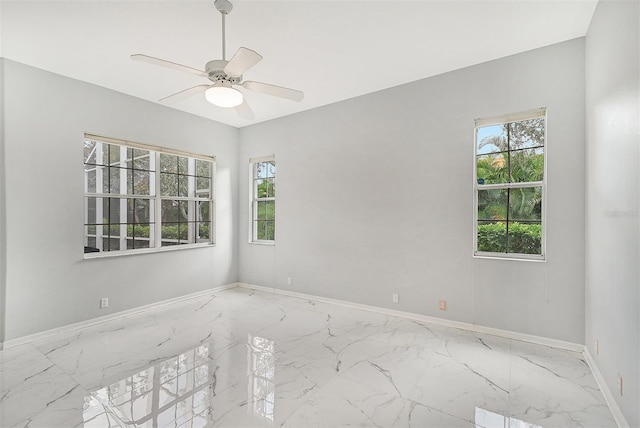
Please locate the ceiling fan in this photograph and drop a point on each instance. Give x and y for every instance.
(224, 75)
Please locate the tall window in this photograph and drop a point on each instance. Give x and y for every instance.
(141, 197)
(509, 185)
(263, 200)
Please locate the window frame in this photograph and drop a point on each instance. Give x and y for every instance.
(155, 198)
(501, 120)
(253, 200)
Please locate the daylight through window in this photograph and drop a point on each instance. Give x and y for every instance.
(263, 201)
(140, 197)
(510, 184)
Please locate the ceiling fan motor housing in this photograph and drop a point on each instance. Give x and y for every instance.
(215, 72)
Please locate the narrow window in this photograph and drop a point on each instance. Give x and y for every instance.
(510, 185)
(141, 197)
(263, 200)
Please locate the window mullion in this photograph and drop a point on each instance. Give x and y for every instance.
(157, 230)
(124, 174)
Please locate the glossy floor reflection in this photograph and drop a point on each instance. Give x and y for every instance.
(244, 358)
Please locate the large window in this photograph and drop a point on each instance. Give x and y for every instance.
(263, 200)
(140, 197)
(510, 185)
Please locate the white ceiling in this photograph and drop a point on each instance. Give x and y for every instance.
(331, 49)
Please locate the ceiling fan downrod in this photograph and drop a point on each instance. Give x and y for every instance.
(224, 7)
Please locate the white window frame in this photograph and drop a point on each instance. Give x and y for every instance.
(253, 200)
(499, 120)
(155, 239)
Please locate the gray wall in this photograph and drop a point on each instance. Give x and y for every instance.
(48, 283)
(3, 300)
(613, 209)
(374, 196)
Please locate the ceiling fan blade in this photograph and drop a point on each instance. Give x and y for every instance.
(277, 91)
(243, 60)
(178, 96)
(244, 111)
(168, 64)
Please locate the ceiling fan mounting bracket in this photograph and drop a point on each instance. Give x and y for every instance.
(223, 6)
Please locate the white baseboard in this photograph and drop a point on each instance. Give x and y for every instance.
(554, 343)
(106, 318)
(407, 315)
(608, 395)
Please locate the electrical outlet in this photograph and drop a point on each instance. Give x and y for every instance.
(620, 390)
(394, 298)
(288, 280)
(443, 305)
(597, 347)
(104, 302)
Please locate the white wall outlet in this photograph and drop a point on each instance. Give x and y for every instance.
(597, 347)
(620, 389)
(104, 302)
(288, 280)
(394, 298)
(443, 305)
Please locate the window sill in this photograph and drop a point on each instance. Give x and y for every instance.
(513, 257)
(107, 254)
(267, 243)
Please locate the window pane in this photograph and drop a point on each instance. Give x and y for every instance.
(260, 188)
(111, 210)
(265, 230)
(203, 168)
(114, 180)
(171, 212)
(271, 230)
(114, 154)
(271, 187)
(525, 238)
(527, 165)
(110, 244)
(261, 170)
(170, 233)
(203, 183)
(492, 236)
(492, 169)
(90, 151)
(526, 134)
(141, 159)
(202, 214)
(266, 210)
(491, 139)
(144, 230)
(168, 184)
(203, 231)
(183, 235)
(183, 165)
(271, 168)
(168, 163)
(525, 204)
(138, 211)
(90, 177)
(90, 206)
(141, 182)
(183, 185)
(492, 204)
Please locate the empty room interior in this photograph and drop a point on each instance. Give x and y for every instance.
(320, 213)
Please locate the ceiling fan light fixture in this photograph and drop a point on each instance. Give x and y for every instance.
(223, 96)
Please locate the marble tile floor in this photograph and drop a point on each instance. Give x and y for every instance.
(241, 358)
